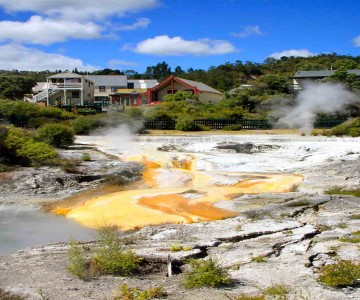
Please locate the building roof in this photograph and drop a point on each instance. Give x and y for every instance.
(66, 75)
(320, 73)
(200, 86)
(108, 80)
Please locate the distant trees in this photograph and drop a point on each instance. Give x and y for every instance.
(15, 87)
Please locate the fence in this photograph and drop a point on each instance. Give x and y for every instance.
(169, 124)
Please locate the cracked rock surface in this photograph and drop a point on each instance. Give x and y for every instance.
(281, 239)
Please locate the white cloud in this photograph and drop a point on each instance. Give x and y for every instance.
(357, 41)
(39, 30)
(114, 63)
(165, 45)
(140, 23)
(79, 9)
(248, 31)
(288, 53)
(21, 58)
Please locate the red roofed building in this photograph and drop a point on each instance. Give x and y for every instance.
(173, 84)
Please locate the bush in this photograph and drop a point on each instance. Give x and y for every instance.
(112, 258)
(343, 273)
(277, 291)
(205, 273)
(37, 152)
(186, 123)
(126, 293)
(234, 127)
(83, 125)
(77, 264)
(56, 135)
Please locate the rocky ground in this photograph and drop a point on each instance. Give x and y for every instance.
(279, 239)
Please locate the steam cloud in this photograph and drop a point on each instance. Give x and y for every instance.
(315, 98)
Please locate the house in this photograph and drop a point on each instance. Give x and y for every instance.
(173, 84)
(65, 89)
(302, 77)
(106, 85)
(135, 94)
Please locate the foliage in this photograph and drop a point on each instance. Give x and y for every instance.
(37, 152)
(126, 293)
(83, 125)
(249, 297)
(205, 273)
(77, 264)
(15, 86)
(339, 274)
(350, 127)
(86, 157)
(17, 146)
(278, 291)
(112, 258)
(56, 135)
(186, 123)
(259, 258)
(341, 191)
(5, 295)
(235, 127)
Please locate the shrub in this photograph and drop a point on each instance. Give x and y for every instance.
(86, 157)
(77, 264)
(83, 125)
(249, 297)
(112, 258)
(277, 291)
(126, 293)
(342, 273)
(56, 135)
(205, 273)
(37, 152)
(186, 123)
(259, 259)
(234, 127)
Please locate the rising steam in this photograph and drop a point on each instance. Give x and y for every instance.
(315, 98)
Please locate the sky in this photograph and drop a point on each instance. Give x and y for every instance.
(91, 35)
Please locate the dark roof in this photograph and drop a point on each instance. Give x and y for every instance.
(320, 73)
(200, 86)
(108, 80)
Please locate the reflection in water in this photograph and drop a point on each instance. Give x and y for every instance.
(25, 226)
(175, 189)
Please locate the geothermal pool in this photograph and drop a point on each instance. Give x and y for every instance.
(184, 177)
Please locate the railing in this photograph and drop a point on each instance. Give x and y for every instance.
(250, 124)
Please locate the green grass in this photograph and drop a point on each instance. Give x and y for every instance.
(277, 291)
(343, 273)
(341, 191)
(355, 217)
(249, 297)
(350, 239)
(124, 292)
(205, 273)
(86, 157)
(259, 259)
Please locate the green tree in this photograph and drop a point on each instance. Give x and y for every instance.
(159, 72)
(15, 87)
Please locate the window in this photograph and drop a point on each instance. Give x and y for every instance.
(170, 91)
(102, 88)
(75, 94)
(130, 85)
(114, 89)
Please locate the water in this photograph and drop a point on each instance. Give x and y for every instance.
(26, 226)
